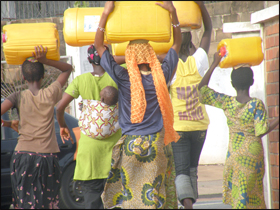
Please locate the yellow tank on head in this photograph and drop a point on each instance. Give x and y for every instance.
(132, 20)
(241, 51)
(19, 40)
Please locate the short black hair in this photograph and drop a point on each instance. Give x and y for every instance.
(186, 43)
(110, 94)
(32, 71)
(242, 78)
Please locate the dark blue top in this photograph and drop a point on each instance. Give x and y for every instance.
(152, 121)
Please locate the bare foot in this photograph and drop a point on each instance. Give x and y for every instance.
(187, 203)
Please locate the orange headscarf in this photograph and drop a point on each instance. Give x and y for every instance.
(138, 53)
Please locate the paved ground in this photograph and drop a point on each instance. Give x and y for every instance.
(210, 179)
(210, 187)
(211, 204)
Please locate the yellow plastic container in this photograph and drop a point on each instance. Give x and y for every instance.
(20, 39)
(159, 48)
(241, 51)
(131, 20)
(189, 14)
(80, 25)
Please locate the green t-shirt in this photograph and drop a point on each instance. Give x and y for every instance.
(94, 156)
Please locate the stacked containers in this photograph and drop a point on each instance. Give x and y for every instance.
(20, 39)
(190, 18)
(241, 51)
(132, 20)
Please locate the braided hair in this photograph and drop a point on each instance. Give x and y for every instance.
(93, 56)
(242, 78)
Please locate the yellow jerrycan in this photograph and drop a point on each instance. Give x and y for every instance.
(132, 20)
(240, 51)
(159, 47)
(19, 40)
(189, 14)
(80, 25)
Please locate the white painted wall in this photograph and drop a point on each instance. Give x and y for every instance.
(216, 142)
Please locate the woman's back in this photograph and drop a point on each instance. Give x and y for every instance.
(247, 118)
(152, 121)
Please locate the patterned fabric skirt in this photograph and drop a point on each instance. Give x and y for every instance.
(142, 174)
(243, 175)
(35, 180)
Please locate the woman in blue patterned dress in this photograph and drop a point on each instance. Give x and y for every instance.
(247, 122)
(141, 174)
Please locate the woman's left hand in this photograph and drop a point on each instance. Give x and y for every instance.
(168, 5)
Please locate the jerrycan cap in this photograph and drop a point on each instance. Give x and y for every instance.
(223, 51)
(4, 37)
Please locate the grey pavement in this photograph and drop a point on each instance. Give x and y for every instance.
(210, 180)
(211, 204)
(210, 188)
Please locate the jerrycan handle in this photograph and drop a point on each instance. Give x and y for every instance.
(223, 51)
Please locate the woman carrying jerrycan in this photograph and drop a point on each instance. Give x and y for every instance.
(143, 155)
(248, 123)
